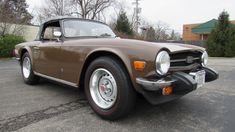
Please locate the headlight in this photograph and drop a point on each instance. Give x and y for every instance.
(204, 58)
(162, 62)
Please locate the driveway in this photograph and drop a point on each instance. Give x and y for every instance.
(53, 107)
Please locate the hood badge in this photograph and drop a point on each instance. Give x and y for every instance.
(189, 59)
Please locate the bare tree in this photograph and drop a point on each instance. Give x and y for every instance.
(91, 9)
(161, 29)
(150, 34)
(13, 15)
(88, 9)
(53, 8)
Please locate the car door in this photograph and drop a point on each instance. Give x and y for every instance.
(73, 55)
(72, 61)
(47, 54)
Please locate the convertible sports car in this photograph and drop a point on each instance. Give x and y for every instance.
(87, 54)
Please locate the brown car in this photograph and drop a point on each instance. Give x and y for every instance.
(87, 54)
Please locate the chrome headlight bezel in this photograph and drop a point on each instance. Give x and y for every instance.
(204, 59)
(162, 62)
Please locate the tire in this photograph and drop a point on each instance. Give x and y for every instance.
(27, 70)
(103, 76)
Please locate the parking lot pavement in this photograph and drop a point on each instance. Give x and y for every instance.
(52, 107)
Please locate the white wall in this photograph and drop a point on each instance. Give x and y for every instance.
(27, 31)
(30, 32)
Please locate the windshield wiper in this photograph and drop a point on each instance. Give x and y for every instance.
(105, 35)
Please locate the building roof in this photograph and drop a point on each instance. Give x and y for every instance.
(205, 28)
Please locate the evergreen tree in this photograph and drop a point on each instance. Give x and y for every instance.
(123, 25)
(174, 35)
(221, 42)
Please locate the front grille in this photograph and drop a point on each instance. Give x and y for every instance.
(185, 60)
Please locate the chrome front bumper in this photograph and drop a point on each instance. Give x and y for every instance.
(179, 80)
(154, 85)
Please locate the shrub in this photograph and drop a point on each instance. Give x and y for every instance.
(7, 44)
(221, 42)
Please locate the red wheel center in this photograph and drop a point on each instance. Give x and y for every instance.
(103, 88)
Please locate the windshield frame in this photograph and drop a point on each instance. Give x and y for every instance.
(85, 20)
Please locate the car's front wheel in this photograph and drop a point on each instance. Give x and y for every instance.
(27, 71)
(108, 88)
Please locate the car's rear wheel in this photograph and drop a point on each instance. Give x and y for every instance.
(108, 88)
(27, 71)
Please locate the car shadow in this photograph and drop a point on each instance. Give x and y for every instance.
(142, 107)
(61, 88)
(171, 112)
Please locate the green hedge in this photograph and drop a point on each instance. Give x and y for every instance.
(7, 44)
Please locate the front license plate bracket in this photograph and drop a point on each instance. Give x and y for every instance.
(199, 77)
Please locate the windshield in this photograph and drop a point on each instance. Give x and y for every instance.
(79, 28)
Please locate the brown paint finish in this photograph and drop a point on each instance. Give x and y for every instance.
(65, 59)
(47, 58)
(71, 55)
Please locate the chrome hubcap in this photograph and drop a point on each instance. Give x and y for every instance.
(26, 67)
(103, 88)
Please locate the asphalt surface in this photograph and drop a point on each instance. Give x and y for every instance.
(48, 106)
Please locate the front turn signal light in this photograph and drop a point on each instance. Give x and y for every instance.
(168, 90)
(139, 65)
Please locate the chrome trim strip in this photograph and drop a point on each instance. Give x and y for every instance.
(183, 60)
(56, 79)
(154, 85)
(183, 68)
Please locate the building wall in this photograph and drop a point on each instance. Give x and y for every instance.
(189, 36)
(27, 31)
(30, 33)
(187, 33)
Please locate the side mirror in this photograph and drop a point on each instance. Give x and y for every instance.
(57, 34)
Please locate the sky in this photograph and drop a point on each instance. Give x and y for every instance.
(173, 12)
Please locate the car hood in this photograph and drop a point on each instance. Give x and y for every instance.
(138, 44)
(174, 47)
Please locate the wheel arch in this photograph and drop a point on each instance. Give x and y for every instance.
(23, 51)
(110, 53)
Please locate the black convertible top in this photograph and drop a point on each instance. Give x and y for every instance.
(69, 17)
